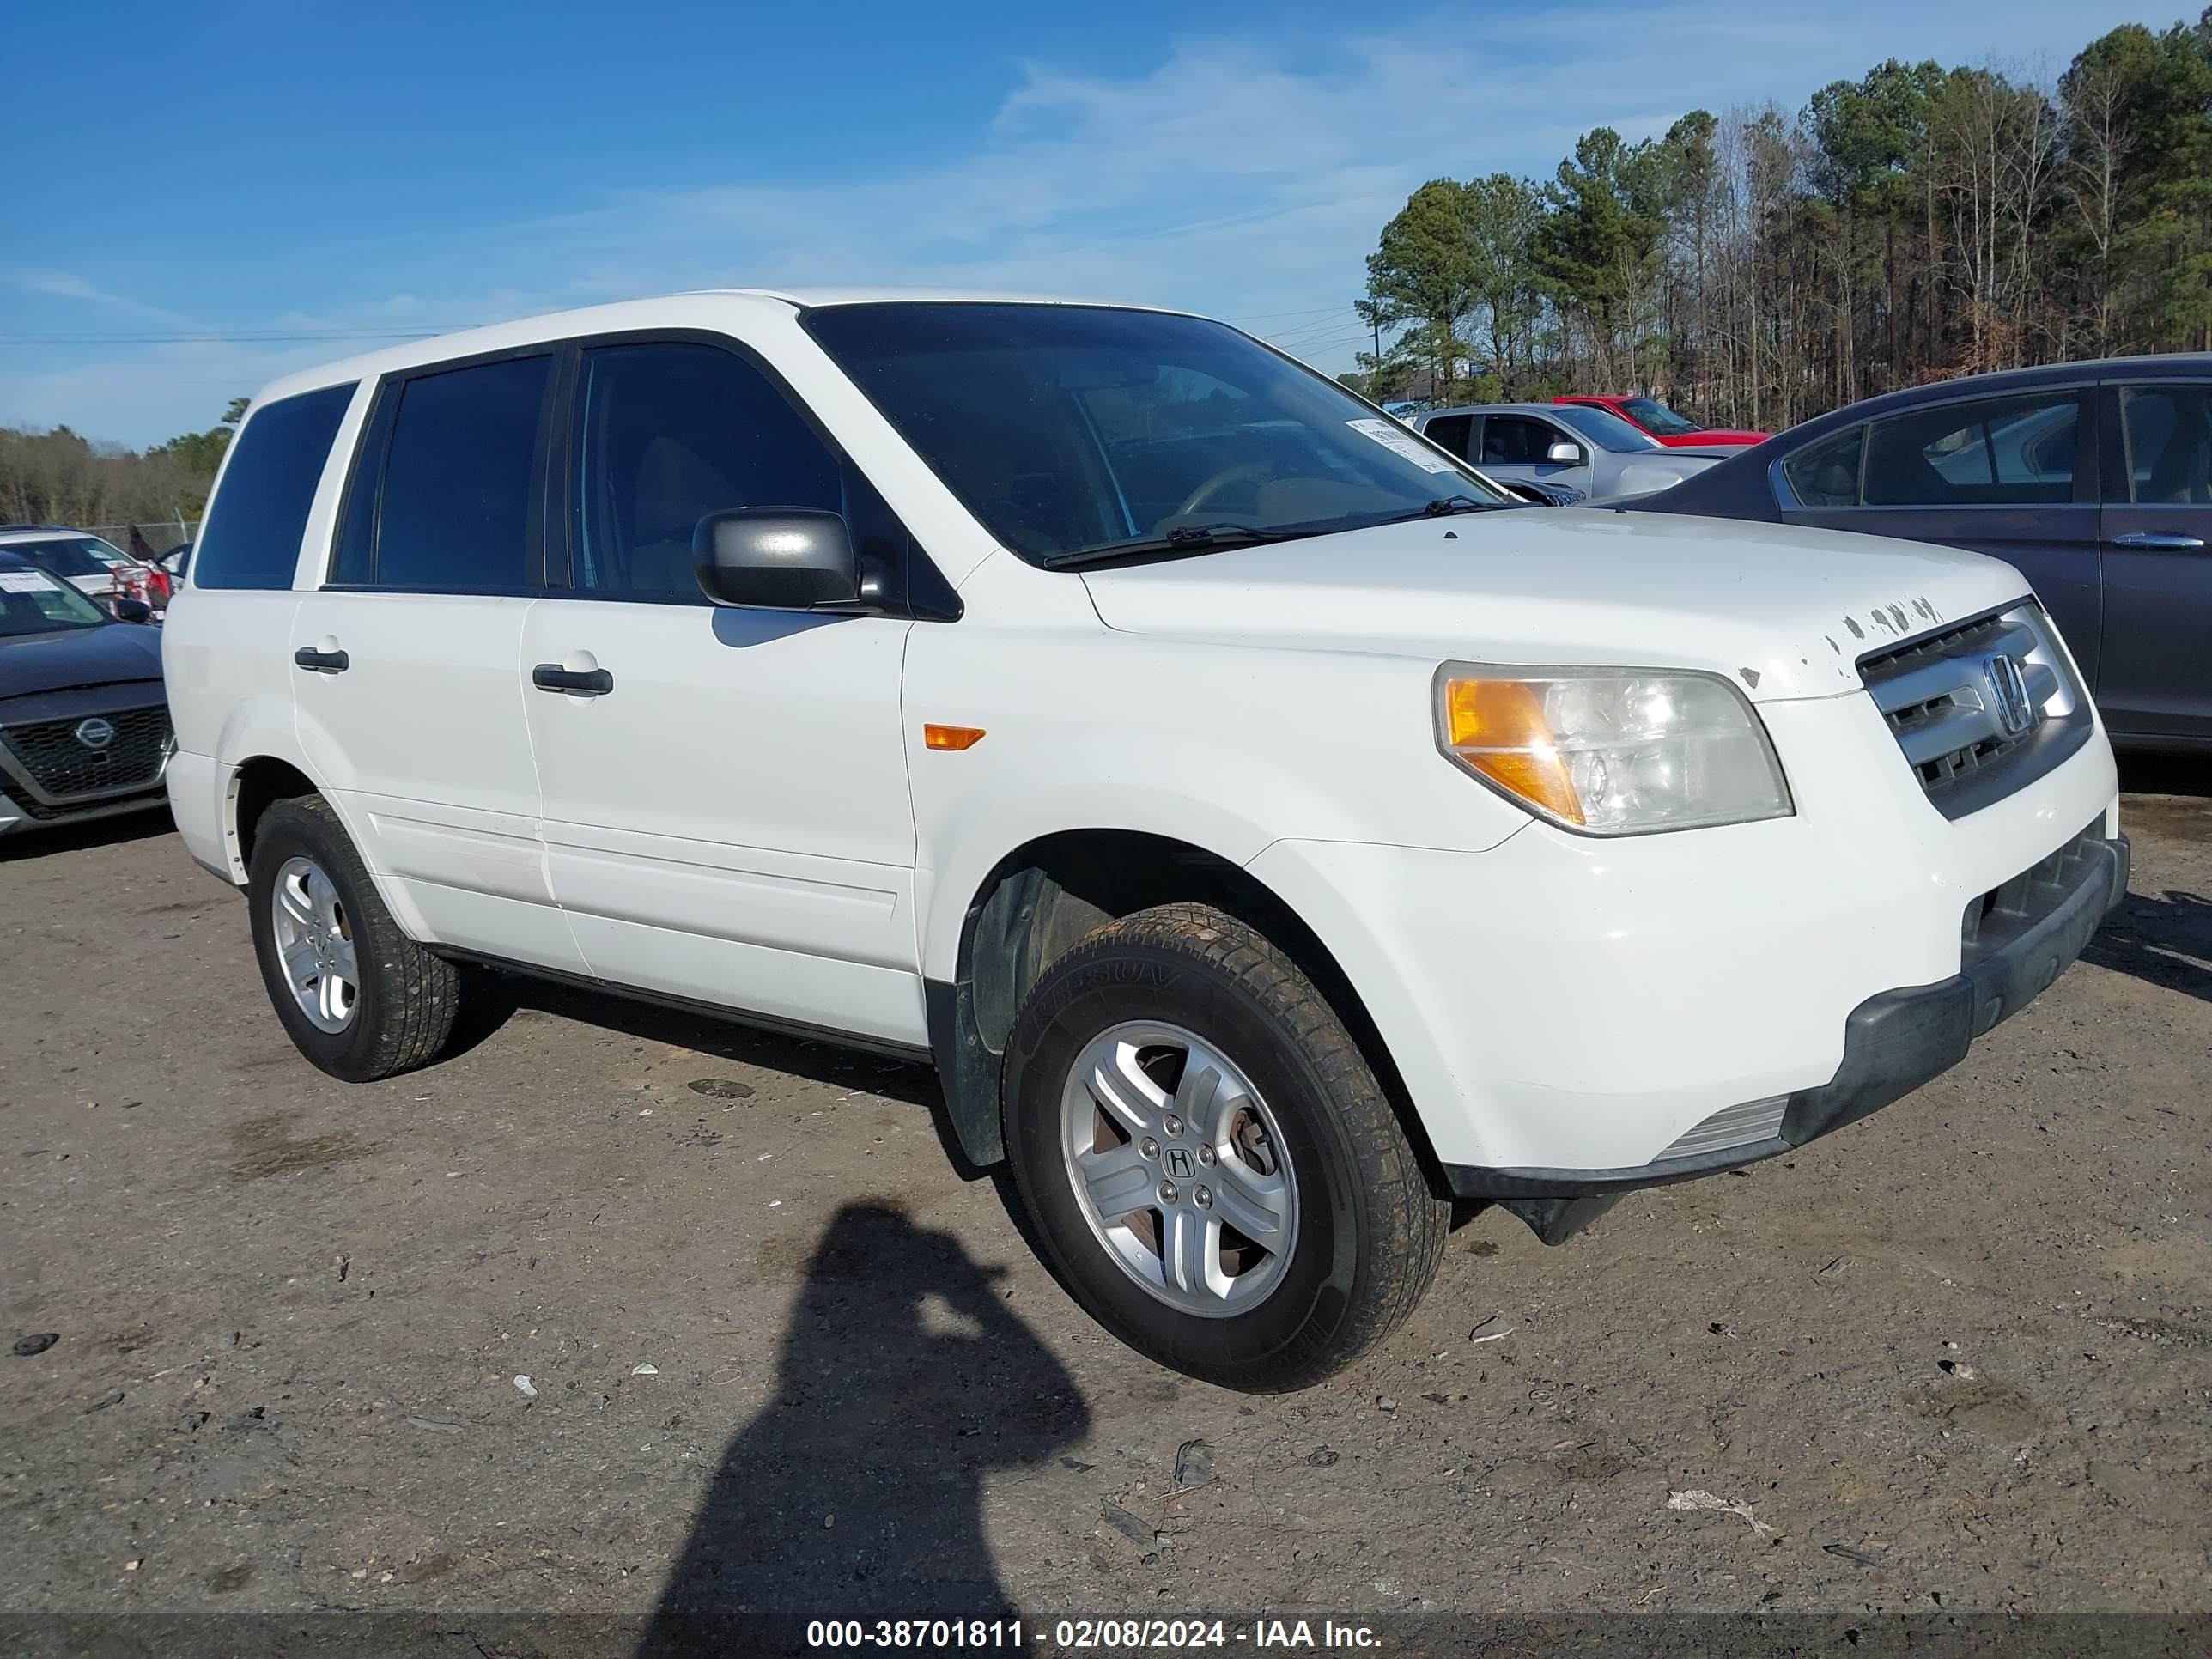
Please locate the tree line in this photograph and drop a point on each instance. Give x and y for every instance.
(60, 477)
(1760, 268)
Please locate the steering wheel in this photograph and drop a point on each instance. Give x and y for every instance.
(1219, 481)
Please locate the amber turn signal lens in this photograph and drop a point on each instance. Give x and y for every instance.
(1497, 728)
(954, 737)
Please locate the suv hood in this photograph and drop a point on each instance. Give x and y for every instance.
(1785, 612)
(78, 656)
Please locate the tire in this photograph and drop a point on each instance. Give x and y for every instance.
(1358, 1233)
(403, 999)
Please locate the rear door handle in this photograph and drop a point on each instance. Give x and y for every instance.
(2159, 540)
(588, 682)
(322, 662)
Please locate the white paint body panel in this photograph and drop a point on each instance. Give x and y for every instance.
(732, 824)
(752, 819)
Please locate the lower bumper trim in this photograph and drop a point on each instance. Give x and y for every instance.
(1893, 1042)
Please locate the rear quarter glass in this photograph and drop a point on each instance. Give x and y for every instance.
(251, 537)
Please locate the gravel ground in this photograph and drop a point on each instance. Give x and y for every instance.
(1958, 1356)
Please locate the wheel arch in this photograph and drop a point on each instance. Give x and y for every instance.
(1046, 893)
(257, 783)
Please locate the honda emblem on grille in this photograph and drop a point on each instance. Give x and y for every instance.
(2015, 713)
(95, 733)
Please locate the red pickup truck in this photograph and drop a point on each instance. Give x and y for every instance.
(1675, 430)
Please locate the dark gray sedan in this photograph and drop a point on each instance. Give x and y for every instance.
(84, 722)
(2094, 479)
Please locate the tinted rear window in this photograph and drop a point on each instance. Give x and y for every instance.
(1996, 451)
(455, 508)
(71, 555)
(251, 537)
(1450, 431)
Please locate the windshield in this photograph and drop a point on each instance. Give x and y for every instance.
(70, 555)
(1657, 417)
(1079, 429)
(32, 602)
(1604, 428)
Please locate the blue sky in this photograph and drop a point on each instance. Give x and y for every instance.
(347, 173)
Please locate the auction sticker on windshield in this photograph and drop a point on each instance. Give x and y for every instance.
(24, 581)
(1404, 443)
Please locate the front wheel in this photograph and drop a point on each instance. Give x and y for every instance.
(1208, 1159)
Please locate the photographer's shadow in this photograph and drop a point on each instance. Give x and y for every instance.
(857, 1491)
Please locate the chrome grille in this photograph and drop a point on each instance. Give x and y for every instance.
(64, 767)
(1981, 708)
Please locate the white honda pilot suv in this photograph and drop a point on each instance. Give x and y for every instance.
(1279, 842)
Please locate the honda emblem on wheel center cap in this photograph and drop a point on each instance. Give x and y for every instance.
(1179, 1164)
(95, 733)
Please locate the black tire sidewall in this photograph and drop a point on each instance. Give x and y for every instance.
(1293, 1331)
(285, 832)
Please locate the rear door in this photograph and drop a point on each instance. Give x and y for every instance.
(405, 658)
(2013, 477)
(2156, 678)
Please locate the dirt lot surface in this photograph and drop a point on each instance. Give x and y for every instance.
(1959, 1357)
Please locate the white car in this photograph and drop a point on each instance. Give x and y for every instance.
(79, 558)
(1278, 850)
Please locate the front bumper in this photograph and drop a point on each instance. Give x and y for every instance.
(15, 815)
(2020, 938)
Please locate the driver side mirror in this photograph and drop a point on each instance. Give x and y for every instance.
(1563, 452)
(775, 558)
(133, 611)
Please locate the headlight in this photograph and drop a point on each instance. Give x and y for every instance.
(1612, 751)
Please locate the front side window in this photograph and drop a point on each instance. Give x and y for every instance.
(32, 602)
(1604, 428)
(1082, 430)
(252, 536)
(2168, 429)
(668, 433)
(1996, 451)
(1658, 418)
(454, 508)
(1516, 440)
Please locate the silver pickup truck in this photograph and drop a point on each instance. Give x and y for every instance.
(1574, 445)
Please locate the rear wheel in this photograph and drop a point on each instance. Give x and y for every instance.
(356, 994)
(1212, 1166)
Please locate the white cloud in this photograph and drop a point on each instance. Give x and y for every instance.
(1244, 175)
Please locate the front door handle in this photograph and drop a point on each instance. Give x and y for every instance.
(2158, 540)
(322, 662)
(586, 683)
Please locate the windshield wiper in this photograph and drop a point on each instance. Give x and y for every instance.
(1442, 508)
(1183, 539)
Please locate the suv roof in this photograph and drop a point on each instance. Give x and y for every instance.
(647, 313)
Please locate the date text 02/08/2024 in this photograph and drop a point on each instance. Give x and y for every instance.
(1083, 1635)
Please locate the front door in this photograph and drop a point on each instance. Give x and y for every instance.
(2156, 681)
(1519, 446)
(403, 661)
(726, 816)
